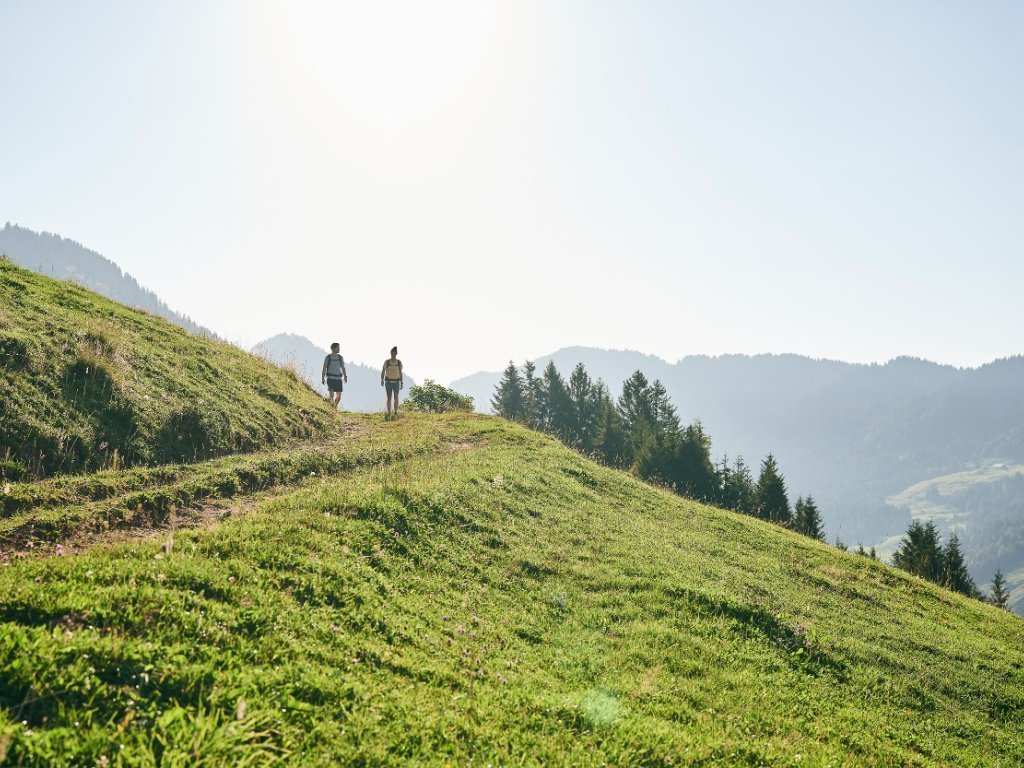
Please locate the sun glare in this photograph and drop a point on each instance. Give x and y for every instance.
(388, 58)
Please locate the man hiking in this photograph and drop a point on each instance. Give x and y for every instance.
(392, 381)
(334, 374)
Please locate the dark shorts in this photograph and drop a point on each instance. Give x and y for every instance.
(333, 384)
(391, 387)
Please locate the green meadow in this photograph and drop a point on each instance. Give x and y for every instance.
(492, 598)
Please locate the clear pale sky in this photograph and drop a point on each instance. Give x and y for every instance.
(483, 181)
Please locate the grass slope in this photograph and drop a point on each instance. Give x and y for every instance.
(82, 377)
(482, 595)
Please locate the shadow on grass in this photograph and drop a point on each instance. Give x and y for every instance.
(802, 648)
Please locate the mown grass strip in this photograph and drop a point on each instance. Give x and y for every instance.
(49, 512)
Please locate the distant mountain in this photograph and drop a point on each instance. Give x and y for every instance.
(62, 259)
(363, 391)
(852, 435)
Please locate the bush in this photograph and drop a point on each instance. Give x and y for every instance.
(431, 397)
(12, 470)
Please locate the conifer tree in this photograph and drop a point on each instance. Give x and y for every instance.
(532, 396)
(636, 412)
(583, 409)
(610, 437)
(509, 398)
(954, 570)
(738, 491)
(664, 417)
(919, 551)
(1000, 595)
(772, 502)
(657, 438)
(695, 475)
(555, 405)
(807, 519)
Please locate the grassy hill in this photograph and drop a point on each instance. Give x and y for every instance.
(87, 383)
(460, 591)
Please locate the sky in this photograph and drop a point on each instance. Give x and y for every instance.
(485, 181)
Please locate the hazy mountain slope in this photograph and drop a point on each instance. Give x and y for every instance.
(62, 259)
(496, 600)
(88, 383)
(363, 391)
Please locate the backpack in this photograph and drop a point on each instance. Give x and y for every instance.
(392, 365)
(334, 365)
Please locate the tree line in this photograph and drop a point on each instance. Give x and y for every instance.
(641, 431)
(921, 553)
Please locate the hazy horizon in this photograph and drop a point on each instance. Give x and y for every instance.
(476, 182)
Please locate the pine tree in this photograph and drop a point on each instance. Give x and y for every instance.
(583, 410)
(664, 418)
(807, 519)
(636, 412)
(532, 396)
(954, 570)
(738, 491)
(509, 401)
(1000, 595)
(555, 405)
(610, 438)
(657, 457)
(694, 472)
(919, 551)
(772, 502)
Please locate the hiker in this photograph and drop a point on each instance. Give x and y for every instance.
(334, 374)
(392, 381)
